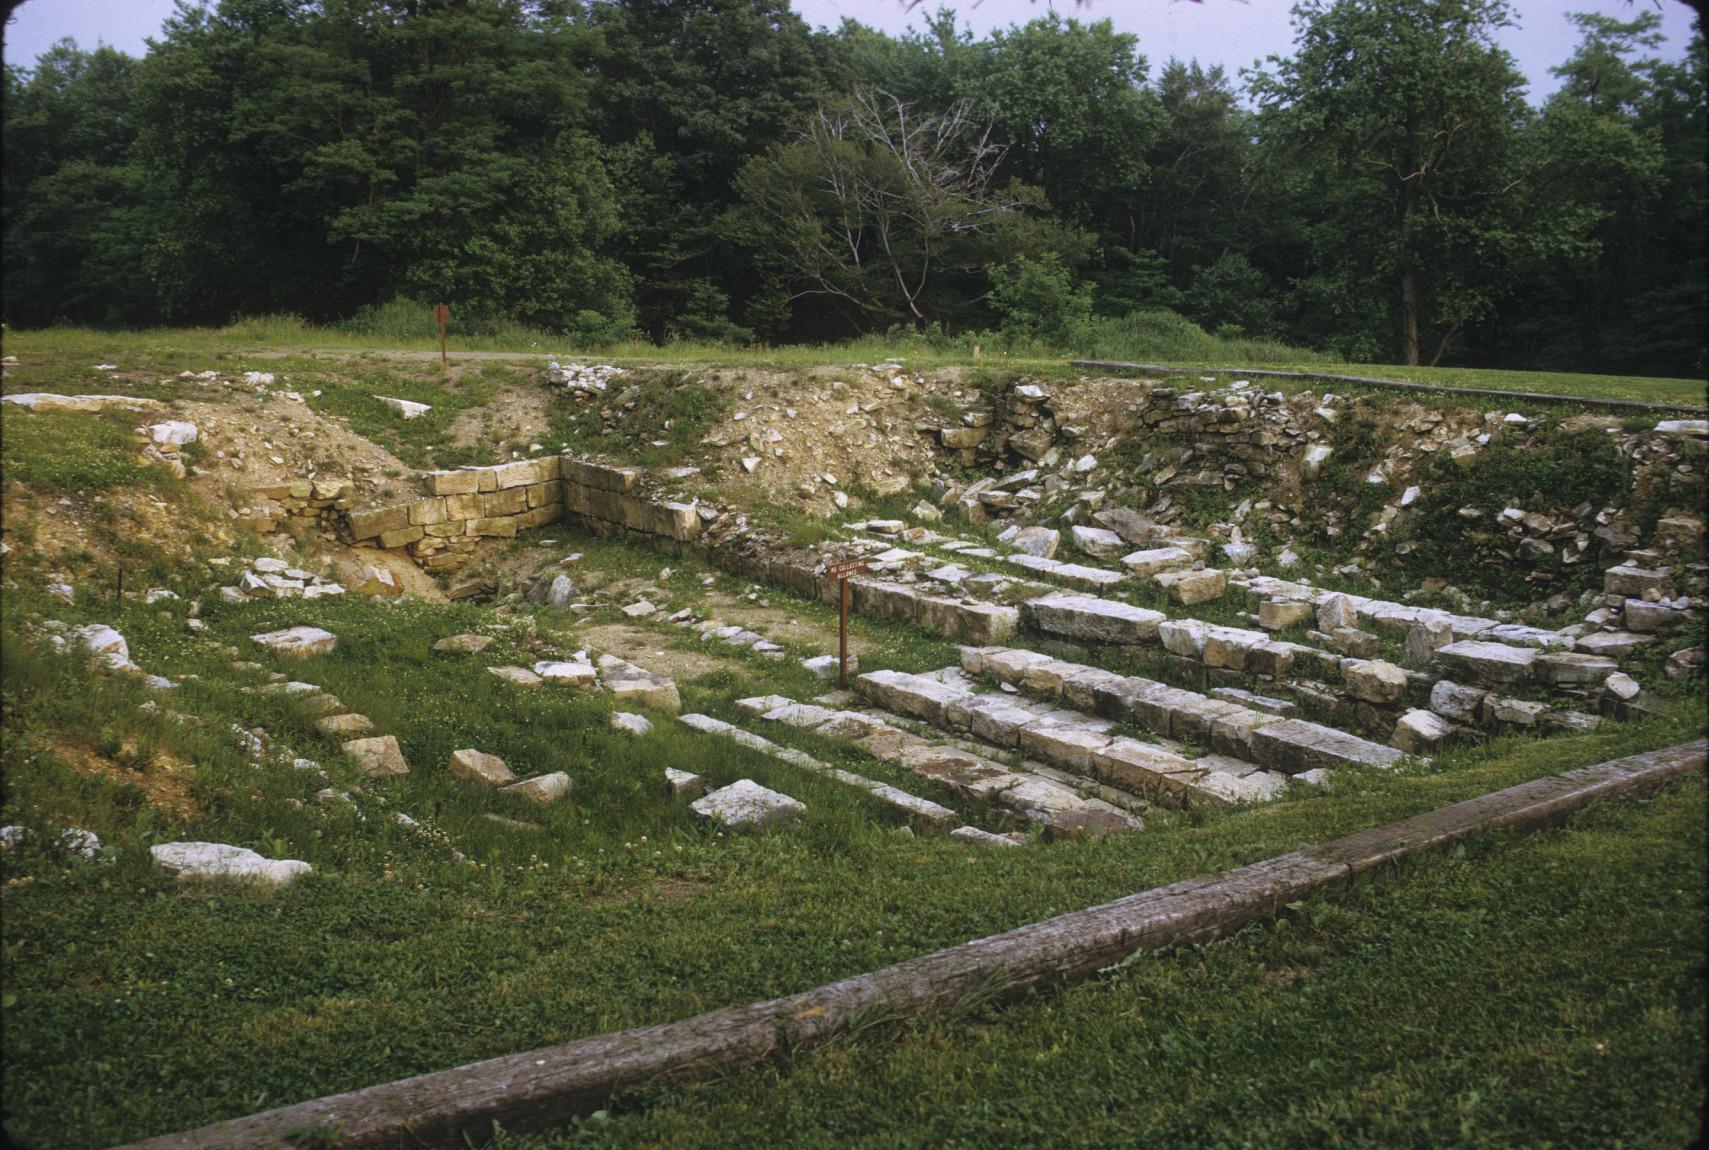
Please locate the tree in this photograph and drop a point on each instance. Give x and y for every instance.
(1407, 114)
(884, 207)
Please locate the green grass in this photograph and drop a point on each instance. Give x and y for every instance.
(1647, 389)
(59, 452)
(672, 411)
(136, 1006)
(175, 349)
(1460, 999)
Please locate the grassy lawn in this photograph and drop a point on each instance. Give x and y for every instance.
(134, 1005)
(1540, 992)
(1645, 388)
(175, 349)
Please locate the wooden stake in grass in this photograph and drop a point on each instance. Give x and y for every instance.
(442, 316)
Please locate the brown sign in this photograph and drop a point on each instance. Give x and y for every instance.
(845, 568)
(441, 314)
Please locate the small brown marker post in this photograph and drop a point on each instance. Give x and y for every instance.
(841, 572)
(442, 316)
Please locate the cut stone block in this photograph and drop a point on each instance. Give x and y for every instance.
(1336, 611)
(568, 673)
(1486, 662)
(542, 789)
(480, 767)
(1424, 638)
(1092, 619)
(744, 804)
(1375, 681)
(1097, 542)
(1421, 732)
(1614, 644)
(379, 757)
(1513, 712)
(1293, 745)
(1276, 614)
(1632, 581)
(681, 783)
(1456, 702)
(1156, 561)
(1190, 588)
(1648, 618)
(1571, 667)
(347, 725)
(297, 642)
(981, 838)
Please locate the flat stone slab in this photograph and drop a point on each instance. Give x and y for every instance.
(1156, 560)
(541, 789)
(745, 805)
(517, 676)
(681, 783)
(1092, 619)
(1486, 662)
(1294, 745)
(219, 860)
(379, 757)
(631, 724)
(1573, 667)
(1613, 644)
(297, 642)
(479, 767)
(982, 838)
(568, 673)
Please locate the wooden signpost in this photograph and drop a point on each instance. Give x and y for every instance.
(841, 572)
(442, 316)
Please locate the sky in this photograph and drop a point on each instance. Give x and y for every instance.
(1233, 33)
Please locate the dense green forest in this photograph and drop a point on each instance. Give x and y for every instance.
(716, 169)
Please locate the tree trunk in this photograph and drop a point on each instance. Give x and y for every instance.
(1409, 314)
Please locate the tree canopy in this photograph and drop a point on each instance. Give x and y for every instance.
(716, 169)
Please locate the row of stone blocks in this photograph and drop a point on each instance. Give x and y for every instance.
(499, 501)
(1072, 741)
(1286, 745)
(964, 620)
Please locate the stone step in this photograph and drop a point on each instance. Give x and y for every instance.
(1388, 617)
(1037, 800)
(930, 814)
(1228, 727)
(1070, 740)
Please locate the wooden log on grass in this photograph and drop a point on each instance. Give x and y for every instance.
(542, 1088)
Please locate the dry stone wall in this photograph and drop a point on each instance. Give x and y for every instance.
(469, 504)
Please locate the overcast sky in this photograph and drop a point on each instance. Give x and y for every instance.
(1233, 33)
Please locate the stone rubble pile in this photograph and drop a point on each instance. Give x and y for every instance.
(587, 379)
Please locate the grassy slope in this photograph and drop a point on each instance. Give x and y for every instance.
(132, 1006)
(175, 349)
(156, 1007)
(1544, 992)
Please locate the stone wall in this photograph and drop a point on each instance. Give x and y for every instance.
(323, 502)
(473, 503)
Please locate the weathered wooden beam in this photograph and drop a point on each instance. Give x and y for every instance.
(541, 1088)
(1395, 384)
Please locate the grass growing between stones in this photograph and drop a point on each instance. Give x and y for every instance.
(1545, 991)
(136, 1005)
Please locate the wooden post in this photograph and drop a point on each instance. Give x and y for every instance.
(442, 316)
(843, 634)
(841, 572)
